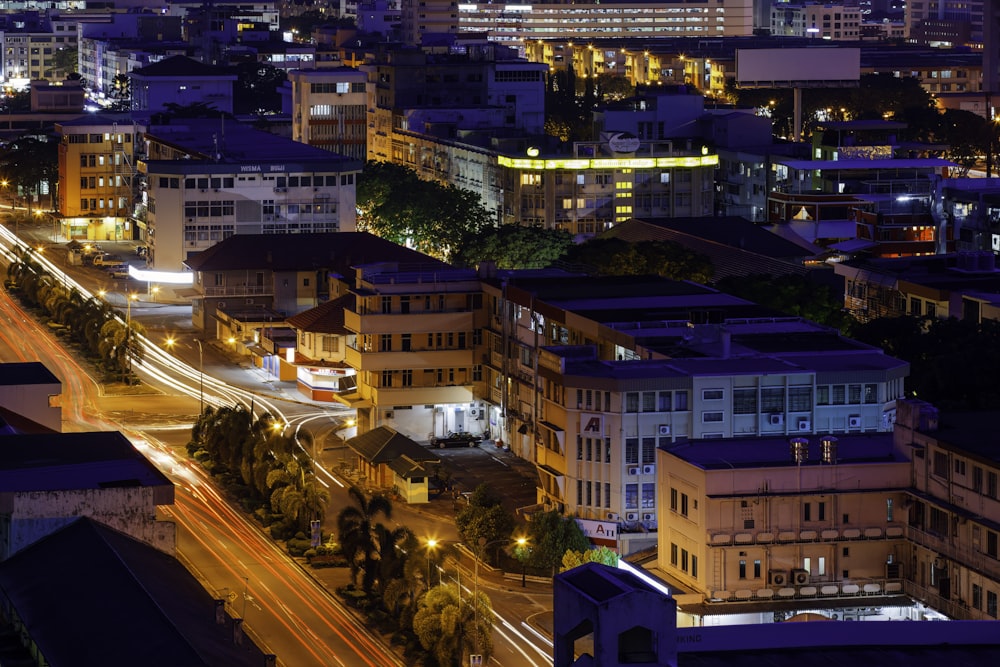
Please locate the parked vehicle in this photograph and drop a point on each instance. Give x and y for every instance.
(142, 251)
(118, 272)
(108, 260)
(456, 439)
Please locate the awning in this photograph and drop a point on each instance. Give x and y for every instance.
(352, 400)
(257, 350)
(552, 427)
(549, 470)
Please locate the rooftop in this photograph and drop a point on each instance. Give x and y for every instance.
(24, 373)
(772, 452)
(62, 461)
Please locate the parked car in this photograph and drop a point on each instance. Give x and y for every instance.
(456, 439)
(141, 251)
(108, 260)
(119, 272)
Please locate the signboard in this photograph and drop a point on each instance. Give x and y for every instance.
(600, 533)
(315, 530)
(621, 142)
(475, 660)
(807, 67)
(591, 425)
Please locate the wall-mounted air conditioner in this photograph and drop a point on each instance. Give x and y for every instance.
(612, 516)
(663, 429)
(389, 414)
(854, 421)
(805, 424)
(777, 577)
(776, 420)
(632, 516)
(649, 516)
(800, 577)
(633, 470)
(648, 470)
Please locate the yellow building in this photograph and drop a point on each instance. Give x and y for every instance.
(96, 173)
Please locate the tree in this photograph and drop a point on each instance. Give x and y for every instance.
(359, 537)
(394, 203)
(551, 535)
(121, 93)
(65, 61)
(257, 88)
(610, 87)
(611, 256)
(484, 518)
(28, 161)
(601, 554)
(446, 625)
(793, 295)
(514, 247)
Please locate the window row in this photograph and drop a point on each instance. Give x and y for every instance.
(642, 451)
(681, 502)
(589, 493)
(95, 204)
(431, 376)
(686, 562)
(632, 498)
(656, 401)
(589, 449)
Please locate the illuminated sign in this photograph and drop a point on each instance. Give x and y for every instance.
(580, 164)
(622, 142)
(600, 532)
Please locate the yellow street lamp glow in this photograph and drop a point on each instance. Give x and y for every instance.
(231, 340)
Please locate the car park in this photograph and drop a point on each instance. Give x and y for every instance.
(456, 439)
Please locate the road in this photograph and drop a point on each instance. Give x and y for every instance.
(287, 611)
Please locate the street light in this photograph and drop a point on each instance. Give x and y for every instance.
(522, 543)
(483, 544)
(431, 544)
(129, 298)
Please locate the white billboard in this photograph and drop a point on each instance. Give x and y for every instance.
(808, 67)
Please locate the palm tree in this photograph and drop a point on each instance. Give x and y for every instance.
(445, 622)
(358, 537)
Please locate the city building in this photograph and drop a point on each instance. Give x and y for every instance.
(181, 81)
(48, 480)
(31, 391)
(519, 24)
(329, 110)
(607, 370)
(30, 42)
(172, 618)
(207, 180)
(412, 341)
(390, 460)
(284, 273)
(837, 21)
(97, 165)
(321, 350)
(946, 23)
(748, 523)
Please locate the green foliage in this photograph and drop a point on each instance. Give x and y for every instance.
(446, 625)
(28, 161)
(551, 535)
(952, 362)
(617, 257)
(514, 247)
(601, 554)
(610, 87)
(396, 204)
(362, 537)
(484, 518)
(793, 295)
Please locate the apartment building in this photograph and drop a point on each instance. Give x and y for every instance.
(182, 81)
(518, 24)
(202, 186)
(947, 22)
(828, 21)
(782, 519)
(412, 341)
(329, 110)
(952, 511)
(601, 372)
(29, 42)
(97, 164)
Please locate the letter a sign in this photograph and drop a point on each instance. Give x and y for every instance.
(592, 424)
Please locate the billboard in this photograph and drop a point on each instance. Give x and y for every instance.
(807, 67)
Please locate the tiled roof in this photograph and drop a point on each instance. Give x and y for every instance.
(335, 251)
(326, 318)
(176, 66)
(115, 601)
(383, 445)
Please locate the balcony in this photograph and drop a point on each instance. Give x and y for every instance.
(963, 554)
(805, 535)
(413, 322)
(386, 396)
(413, 359)
(238, 290)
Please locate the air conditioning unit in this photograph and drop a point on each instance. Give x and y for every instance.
(663, 429)
(632, 516)
(389, 414)
(800, 577)
(649, 516)
(805, 424)
(777, 577)
(276, 190)
(633, 470)
(648, 470)
(776, 420)
(473, 412)
(854, 421)
(612, 516)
